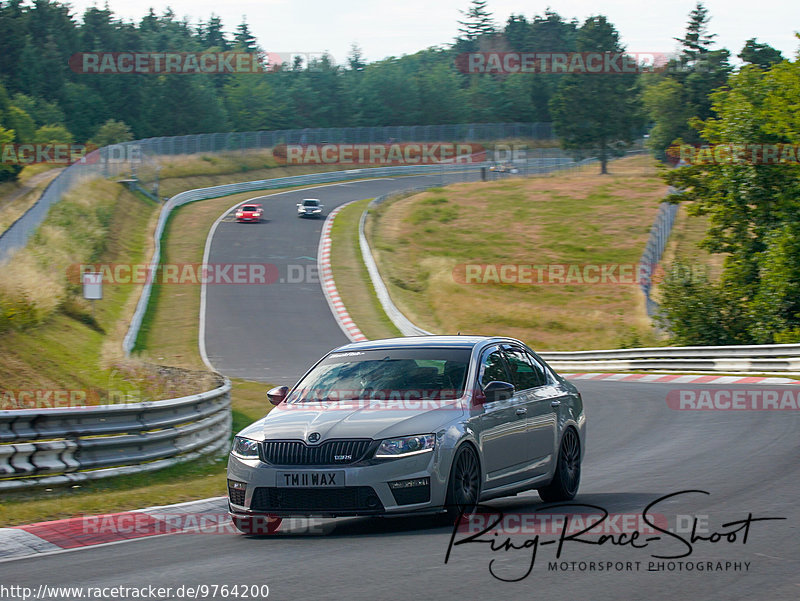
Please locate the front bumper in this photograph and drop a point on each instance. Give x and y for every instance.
(366, 489)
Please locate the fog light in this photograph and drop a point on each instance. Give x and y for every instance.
(409, 492)
(237, 485)
(409, 483)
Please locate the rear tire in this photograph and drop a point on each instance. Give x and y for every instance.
(464, 484)
(567, 476)
(257, 525)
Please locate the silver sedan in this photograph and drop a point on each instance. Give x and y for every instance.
(409, 426)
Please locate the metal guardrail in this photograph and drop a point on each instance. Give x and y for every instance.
(48, 447)
(752, 358)
(654, 249)
(401, 322)
(772, 351)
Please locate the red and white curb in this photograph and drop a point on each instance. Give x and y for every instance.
(329, 286)
(207, 516)
(680, 378)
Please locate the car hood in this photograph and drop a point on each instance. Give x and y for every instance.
(332, 421)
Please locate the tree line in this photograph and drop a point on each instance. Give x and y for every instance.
(698, 98)
(43, 100)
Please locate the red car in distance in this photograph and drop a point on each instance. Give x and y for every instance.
(249, 212)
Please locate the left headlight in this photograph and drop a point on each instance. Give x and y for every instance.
(245, 448)
(406, 446)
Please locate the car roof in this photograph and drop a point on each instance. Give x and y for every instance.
(424, 342)
(251, 204)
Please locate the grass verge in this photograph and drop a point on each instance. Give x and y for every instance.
(351, 276)
(576, 218)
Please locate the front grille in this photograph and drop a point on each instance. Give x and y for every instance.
(349, 498)
(295, 452)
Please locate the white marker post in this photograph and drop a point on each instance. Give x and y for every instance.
(92, 287)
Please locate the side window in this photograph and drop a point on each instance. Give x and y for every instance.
(493, 368)
(543, 378)
(524, 373)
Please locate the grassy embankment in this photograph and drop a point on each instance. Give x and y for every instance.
(576, 218)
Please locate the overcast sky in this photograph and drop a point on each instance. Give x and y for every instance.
(391, 28)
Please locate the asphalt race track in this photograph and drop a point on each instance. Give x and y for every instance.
(639, 450)
(275, 332)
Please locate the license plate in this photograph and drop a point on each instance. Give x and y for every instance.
(310, 479)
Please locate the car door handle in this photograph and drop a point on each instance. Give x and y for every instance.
(555, 403)
(522, 411)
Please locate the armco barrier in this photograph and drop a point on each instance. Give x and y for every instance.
(47, 447)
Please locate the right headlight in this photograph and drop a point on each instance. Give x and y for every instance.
(406, 446)
(245, 448)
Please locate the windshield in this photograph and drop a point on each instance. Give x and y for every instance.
(249, 208)
(386, 374)
(310, 203)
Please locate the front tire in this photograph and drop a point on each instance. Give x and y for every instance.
(257, 524)
(464, 484)
(567, 476)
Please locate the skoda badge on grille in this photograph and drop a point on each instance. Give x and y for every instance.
(313, 437)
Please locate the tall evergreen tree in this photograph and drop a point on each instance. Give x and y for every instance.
(597, 112)
(244, 39)
(477, 21)
(697, 40)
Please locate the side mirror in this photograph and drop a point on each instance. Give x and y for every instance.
(277, 395)
(498, 391)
